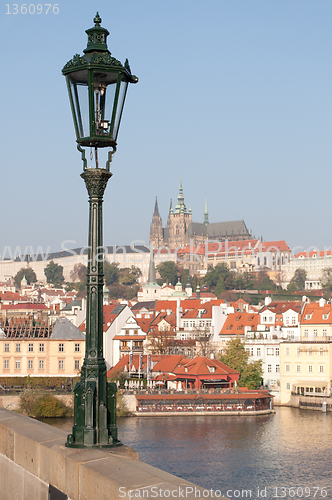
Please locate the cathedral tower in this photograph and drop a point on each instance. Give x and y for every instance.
(156, 229)
(178, 223)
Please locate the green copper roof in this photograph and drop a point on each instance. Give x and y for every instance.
(180, 207)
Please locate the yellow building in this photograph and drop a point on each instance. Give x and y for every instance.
(305, 368)
(60, 355)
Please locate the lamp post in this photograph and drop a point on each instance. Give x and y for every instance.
(97, 86)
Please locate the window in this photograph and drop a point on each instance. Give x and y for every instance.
(310, 352)
(286, 351)
(324, 332)
(41, 347)
(298, 368)
(30, 347)
(277, 368)
(315, 332)
(321, 368)
(18, 348)
(298, 351)
(325, 316)
(258, 351)
(287, 368)
(293, 320)
(17, 364)
(277, 351)
(321, 351)
(270, 351)
(310, 369)
(61, 364)
(30, 364)
(269, 368)
(6, 364)
(41, 364)
(306, 333)
(185, 324)
(6, 348)
(61, 347)
(287, 386)
(77, 348)
(77, 364)
(212, 369)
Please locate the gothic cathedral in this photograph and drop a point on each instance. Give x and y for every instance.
(180, 230)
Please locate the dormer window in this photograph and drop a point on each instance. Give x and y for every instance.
(212, 369)
(186, 369)
(325, 316)
(308, 316)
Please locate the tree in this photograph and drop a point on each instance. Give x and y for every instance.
(326, 281)
(111, 273)
(168, 272)
(29, 274)
(78, 273)
(217, 275)
(264, 282)
(54, 274)
(237, 357)
(299, 278)
(129, 276)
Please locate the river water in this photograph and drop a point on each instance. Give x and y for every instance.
(284, 455)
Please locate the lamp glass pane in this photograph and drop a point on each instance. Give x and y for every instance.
(80, 97)
(121, 100)
(104, 92)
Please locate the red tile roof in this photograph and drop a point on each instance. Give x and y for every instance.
(201, 366)
(236, 322)
(314, 315)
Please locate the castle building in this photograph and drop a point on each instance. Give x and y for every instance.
(181, 230)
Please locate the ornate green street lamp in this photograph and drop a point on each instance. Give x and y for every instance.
(97, 86)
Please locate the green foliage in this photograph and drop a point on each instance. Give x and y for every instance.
(118, 376)
(27, 400)
(237, 358)
(121, 408)
(264, 282)
(42, 406)
(129, 276)
(298, 279)
(168, 272)
(252, 375)
(217, 275)
(220, 278)
(53, 383)
(29, 274)
(78, 273)
(54, 274)
(111, 273)
(326, 281)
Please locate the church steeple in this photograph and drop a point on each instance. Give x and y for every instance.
(152, 280)
(180, 207)
(156, 228)
(206, 213)
(156, 210)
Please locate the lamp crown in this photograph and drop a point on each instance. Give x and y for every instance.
(97, 37)
(97, 19)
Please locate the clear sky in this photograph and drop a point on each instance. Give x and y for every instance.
(234, 96)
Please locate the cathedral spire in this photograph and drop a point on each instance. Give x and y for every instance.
(180, 207)
(152, 271)
(156, 210)
(171, 207)
(206, 213)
